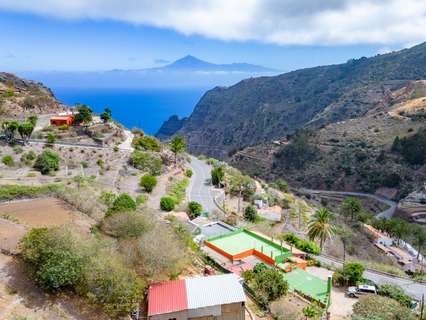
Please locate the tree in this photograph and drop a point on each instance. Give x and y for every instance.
(52, 255)
(47, 162)
(148, 182)
(351, 207)
(381, 308)
(84, 115)
(268, 283)
(106, 116)
(353, 272)
(9, 130)
(147, 143)
(123, 202)
(419, 237)
(320, 227)
(250, 213)
(177, 145)
(282, 185)
(125, 225)
(25, 130)
(146, 162)
(167, 203)
(217, 174)
(194, 209)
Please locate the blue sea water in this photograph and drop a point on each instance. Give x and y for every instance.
(142, 108)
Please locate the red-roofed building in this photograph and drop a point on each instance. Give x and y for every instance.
(218, 297)
(66, 120)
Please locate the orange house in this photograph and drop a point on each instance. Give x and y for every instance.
(61, 120)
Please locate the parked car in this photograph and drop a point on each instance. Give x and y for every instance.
(355, 292)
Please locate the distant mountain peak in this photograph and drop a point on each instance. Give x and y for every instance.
(191, 63)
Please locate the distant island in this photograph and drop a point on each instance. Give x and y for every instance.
(187, 72)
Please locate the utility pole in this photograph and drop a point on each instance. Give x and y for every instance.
(239, 198)
(422, 306)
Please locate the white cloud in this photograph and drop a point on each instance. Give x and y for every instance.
(273, 21)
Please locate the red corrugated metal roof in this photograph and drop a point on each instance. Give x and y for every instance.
(167, 297)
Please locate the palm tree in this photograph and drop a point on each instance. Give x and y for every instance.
(351, 207)
(419, 236)
(320, 227)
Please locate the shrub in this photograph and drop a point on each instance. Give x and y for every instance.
(250, 213)
(217, 175)
(188, 173)
(395, 292)
(28, 157)
(147, 143)
(140, 199)
(47, 162)
(53, 257)
(304, 245)
(268, 283)
(353, 272)
(8, 161)
(110, 284)
(194, 209)
(51, 138)
(125, 225)
(146, 162)
(178, 190)
(167, 203)
(148, 182)
(123, 202)
(282, 185)
(11, 192)
(378, 307)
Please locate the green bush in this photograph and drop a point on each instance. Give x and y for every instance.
(8, 161)
(194, 209)
(301, 244)
(282, 185)
(178, 190)
(148, 182)
(109, 283)
(124, 225)
(217, 174)
(188, 173)
(267, 283)
(353, 272)
(123, 202)
(11, 192)
(51, 138)
(146, 162)
(250, 213)
(395, 292)
(147, 143)
(167, 203)
(47, 162)
(53, 257)
(28, 157)
(140, 199)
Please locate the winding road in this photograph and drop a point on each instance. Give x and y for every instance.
(200, 190)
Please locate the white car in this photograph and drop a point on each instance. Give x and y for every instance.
(355, 292)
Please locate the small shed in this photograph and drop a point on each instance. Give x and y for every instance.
(62, 120)
(220, 297)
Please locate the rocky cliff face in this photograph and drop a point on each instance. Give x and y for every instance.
(19, 97)
(170, 127)
(260, 110)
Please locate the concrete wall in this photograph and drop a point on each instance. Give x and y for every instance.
(233, 311)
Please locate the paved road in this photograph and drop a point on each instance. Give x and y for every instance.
(200, 188)
(412, 288)
(386, 214)
(202, 192)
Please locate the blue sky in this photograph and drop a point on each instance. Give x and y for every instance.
(97, 36)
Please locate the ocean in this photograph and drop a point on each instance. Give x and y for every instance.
(142, 108)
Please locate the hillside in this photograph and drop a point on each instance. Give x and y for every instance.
(19, 97)
(259, 110)
(353, 111)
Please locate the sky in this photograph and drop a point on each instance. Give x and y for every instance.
(82, 35)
